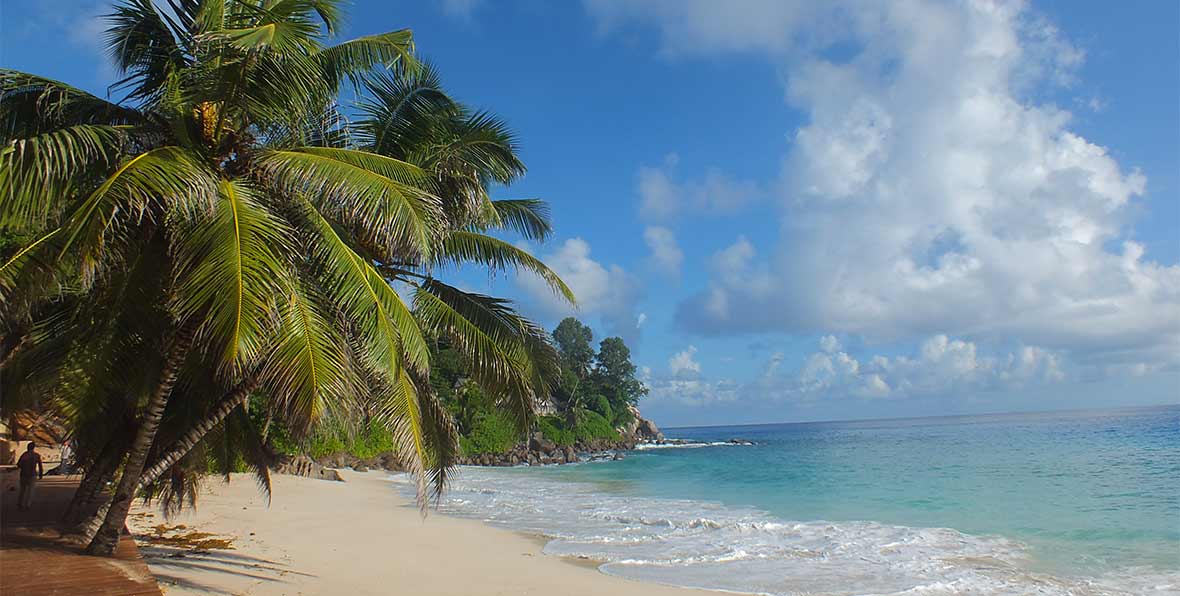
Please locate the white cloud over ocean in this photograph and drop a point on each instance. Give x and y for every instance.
(934, 191)
(609, 292)
(940, 366)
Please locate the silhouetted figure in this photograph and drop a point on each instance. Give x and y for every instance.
(30, 471)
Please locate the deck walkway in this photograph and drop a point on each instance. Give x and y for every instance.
(33, 562)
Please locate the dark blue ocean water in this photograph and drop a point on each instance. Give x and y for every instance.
(1081, 502)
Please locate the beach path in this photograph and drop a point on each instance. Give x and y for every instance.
(34, 562)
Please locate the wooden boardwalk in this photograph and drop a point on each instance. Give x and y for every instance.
(33, 562)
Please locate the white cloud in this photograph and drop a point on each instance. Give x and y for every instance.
(663, 198)
(941, 367)
(929, 190)
(691, 392)
(829, 344)
(606, 291)
(666, 255)
(682, 364)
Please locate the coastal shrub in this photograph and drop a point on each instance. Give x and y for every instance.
(325, 443)
(622, 417)
(331, 437)
(491, 432)
(599, 403)
(592, 425)
(553, 428)
(372, 440)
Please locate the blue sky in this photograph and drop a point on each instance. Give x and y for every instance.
(797, 212)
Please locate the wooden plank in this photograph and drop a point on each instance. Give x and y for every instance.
(34, 561)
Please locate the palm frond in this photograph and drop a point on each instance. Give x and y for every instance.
(462, 246)
(230, 268)
(527, 217)
(307, 371)
(370, 194)
(441, 438)
(401, 111)
(483, 143)
(38, 174)
(354, 58)
(401, 412)
(31, 105)
(490, 334)
(390, 334)
(152, 183)
(146, 46)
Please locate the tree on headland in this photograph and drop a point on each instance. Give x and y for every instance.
(615, 376)
(602, 381)
(573, 341)
(226, 231)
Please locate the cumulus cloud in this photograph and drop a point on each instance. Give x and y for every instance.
(693, 392)
(682, 364)
(609, 292)
(930, 190)
(662, 197)
(666, 255)
(942, 366)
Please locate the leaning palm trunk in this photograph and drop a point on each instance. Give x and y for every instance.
(185, 444)
(86, 499)
(106, 539)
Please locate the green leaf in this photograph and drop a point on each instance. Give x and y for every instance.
(307, 371)
(367, 193)
(527, 217)
(162, 181)
(384, 323)
(461, 247)
(38, 174)
(231, 269)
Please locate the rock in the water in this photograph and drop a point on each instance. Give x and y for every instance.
(648, 431)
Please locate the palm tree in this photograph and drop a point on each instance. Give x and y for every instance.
(225, 204)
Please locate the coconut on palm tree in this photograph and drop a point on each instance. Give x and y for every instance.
(225, 230)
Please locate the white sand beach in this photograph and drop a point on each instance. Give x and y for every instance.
(353, 537)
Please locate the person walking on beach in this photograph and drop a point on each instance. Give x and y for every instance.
(30, 470)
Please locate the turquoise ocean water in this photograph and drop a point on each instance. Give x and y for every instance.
(1064, 503)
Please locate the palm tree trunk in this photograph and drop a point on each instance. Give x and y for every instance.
(85, 501)
(236, 397)
(106, 539)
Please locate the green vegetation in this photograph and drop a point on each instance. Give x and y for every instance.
(492, 431)
(231, 227)
(601, 383)
(591, 426)
(595, 394)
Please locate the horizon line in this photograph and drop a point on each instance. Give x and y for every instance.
(895, 418)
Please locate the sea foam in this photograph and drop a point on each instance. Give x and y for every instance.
(708, 545)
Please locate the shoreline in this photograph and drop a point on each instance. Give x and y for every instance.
(355, 537)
